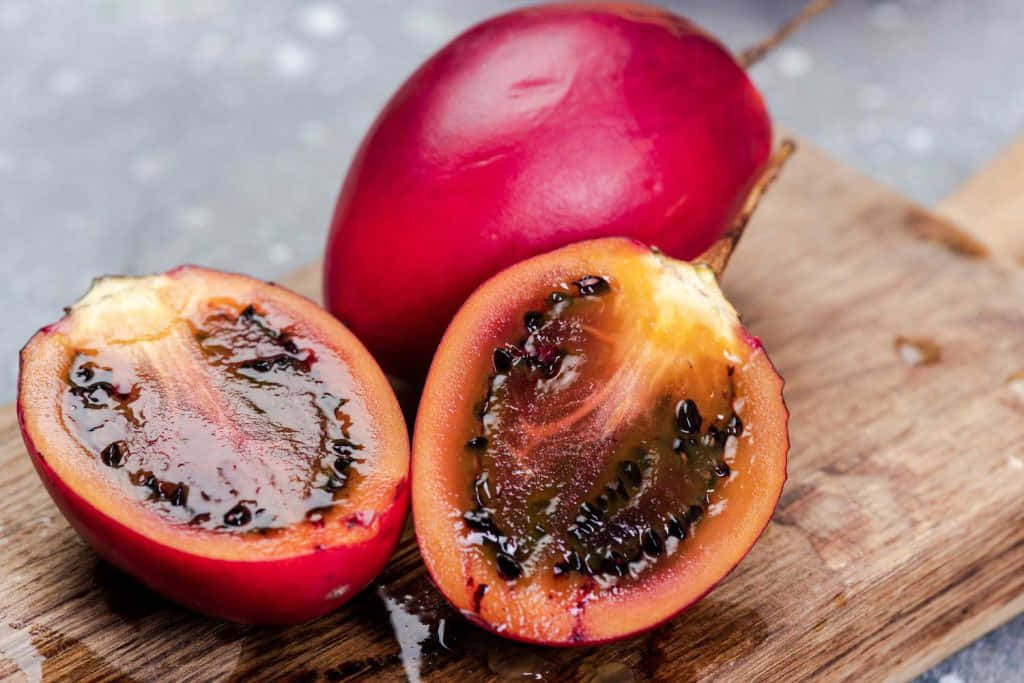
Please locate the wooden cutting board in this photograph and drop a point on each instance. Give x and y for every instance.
(899, 538)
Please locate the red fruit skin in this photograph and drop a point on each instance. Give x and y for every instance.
(245, 592)
(535, 129)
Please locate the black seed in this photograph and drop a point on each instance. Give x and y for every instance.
(586, 526)
(633, 472)
(620, 488)
(342, 446)
(477, 443)
(722, 470)
(508, 567)
(201, 518)
(533, 320)
(335, 482)
(248, 311)
(574, 561)
(637, 555)
(602, 502)
(560, 568)
(85, 373)
(615, 563)
(591, 512)
(290, 346)
(556, 297)
(674, 528)
(261, 365)
(735, 426)
(651, 542)
(238, 515)
(180, 495)
(115, 454)
(693, 513)
(592, 285)
(577, 533)
(502, 360)
(688, 417)
(479, 520)
(342, 463)
(714, 437)
(481, 491)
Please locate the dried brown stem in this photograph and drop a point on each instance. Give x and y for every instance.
(754, 53)
(717, 255)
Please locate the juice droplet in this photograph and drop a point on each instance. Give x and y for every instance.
(410, 632)
(917, 350)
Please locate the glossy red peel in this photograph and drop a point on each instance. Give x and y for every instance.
(535, 129)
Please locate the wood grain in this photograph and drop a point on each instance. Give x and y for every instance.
(991, 205)
(899, 538)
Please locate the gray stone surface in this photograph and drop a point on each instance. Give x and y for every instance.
(138, 135)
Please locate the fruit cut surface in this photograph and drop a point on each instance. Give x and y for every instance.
(598, 444)
(538, 128)
(219, 438)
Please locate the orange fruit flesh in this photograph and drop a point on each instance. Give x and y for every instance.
(572, 494)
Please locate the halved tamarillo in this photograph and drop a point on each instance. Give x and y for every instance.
(224, 440)
(598, 444)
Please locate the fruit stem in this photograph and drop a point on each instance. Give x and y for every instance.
(717, 255)
(753, 54)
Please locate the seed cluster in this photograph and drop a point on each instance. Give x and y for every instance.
(331, 472)
(93, 385)
(690, 443)
(610, 534)
(175, 493)
(256, 329)
(228, 342)
(537, 357)
(634, 543)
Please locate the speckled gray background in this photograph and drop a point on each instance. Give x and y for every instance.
(136, 135)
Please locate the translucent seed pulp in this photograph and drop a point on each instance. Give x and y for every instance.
(300, 440)
(650, 484)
